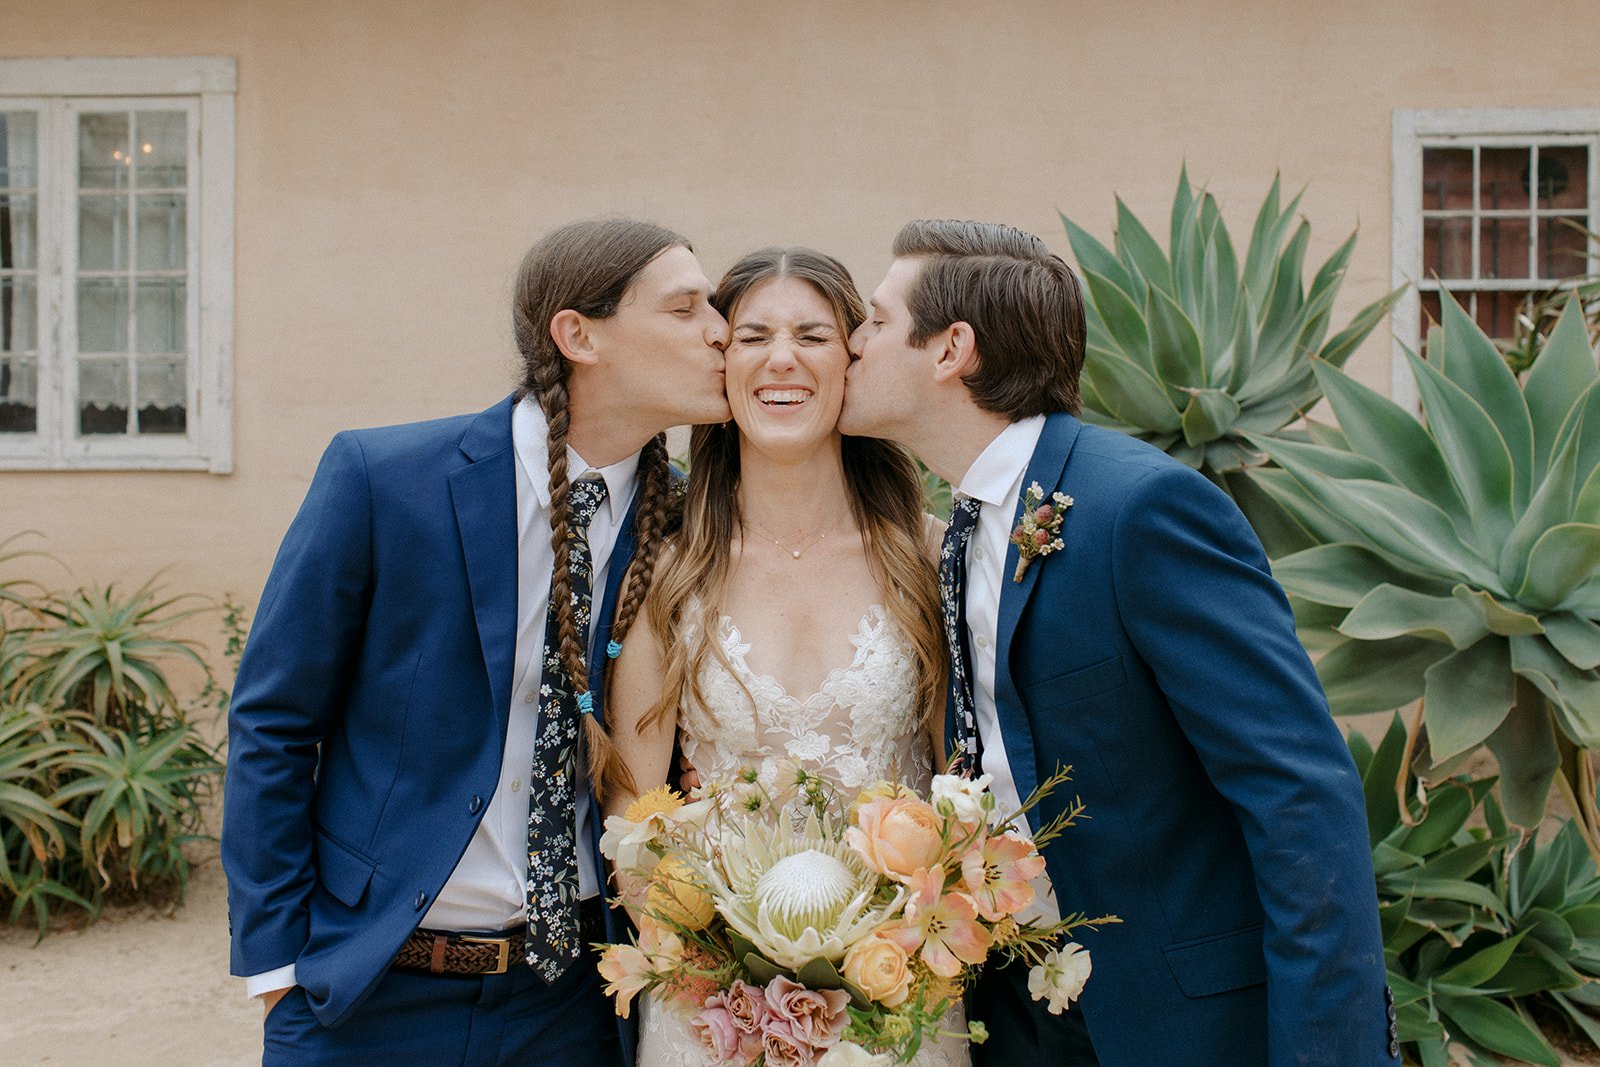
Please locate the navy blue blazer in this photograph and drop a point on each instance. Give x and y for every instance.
(1157, 657)
(369, 716)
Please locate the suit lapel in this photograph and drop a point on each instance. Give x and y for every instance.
(1046, 467)
(485, 497)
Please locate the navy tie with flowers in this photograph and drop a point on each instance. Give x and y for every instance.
(953, 599)
(552, 885)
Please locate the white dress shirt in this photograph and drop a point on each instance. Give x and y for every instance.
(995, 478)
(485, 892)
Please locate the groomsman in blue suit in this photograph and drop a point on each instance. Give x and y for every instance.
(1149, 649)
(409, 831)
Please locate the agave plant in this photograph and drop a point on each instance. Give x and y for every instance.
(1457, 561)
(1192, 350)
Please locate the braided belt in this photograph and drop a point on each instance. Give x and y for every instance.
(441, 952)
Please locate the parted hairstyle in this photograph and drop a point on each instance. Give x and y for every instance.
(885, 492)
(1023, 302)
(588, 267)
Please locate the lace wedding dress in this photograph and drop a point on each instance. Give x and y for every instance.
(860, 727)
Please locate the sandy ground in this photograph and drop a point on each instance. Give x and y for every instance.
(136, 989)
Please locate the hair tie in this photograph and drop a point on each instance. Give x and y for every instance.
(613, 649)
(586, 702)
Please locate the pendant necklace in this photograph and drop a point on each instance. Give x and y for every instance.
(794, 553)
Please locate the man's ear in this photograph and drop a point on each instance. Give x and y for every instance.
(958, 353)
(574, 336)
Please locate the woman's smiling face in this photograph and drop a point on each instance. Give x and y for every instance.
(786, 365)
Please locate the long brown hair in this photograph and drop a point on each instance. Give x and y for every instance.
(588, 267)
(885, 493)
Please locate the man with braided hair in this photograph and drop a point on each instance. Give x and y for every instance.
(409, 826)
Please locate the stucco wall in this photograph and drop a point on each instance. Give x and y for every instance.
(395, 159)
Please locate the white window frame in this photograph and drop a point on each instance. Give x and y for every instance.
(1415, 130)
(205, 87)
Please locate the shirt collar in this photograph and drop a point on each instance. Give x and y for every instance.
(994, 475)
(530, 438)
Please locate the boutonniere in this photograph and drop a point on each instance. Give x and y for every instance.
(1038, 533)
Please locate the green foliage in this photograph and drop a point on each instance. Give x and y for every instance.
(937, 494)
(1479, 923)
(103, 775)
(1190, 349)
(1458, 561)
(1535, 324)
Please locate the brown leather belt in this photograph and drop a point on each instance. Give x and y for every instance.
(442, 952)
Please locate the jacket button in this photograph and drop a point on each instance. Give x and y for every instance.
(1394, 1048)
(422, 898)
(476, 805)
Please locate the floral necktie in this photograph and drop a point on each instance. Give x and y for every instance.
(552, 886)
(953, 599)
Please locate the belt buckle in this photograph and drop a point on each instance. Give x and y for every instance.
(502, 943)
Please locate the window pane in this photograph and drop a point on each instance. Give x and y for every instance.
(19, 234)
(1563, 248)
(104, 161)
(160, 314)
(103, 396)
(19, 395)
(1432, 313)
(1503, 246)
(163, 395)
(162, 149)
(102, 315)
(1447, 248)
(1503, 177)
(19, 150)
(19, 306)
(1497, 313)
(103, 233)
(163, 232)
(1446, 179)
(1563, 176)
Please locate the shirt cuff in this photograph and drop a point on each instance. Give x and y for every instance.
(257, 984)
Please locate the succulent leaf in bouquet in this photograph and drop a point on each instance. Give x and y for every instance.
(1455, 561)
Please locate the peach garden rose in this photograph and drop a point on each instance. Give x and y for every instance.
(898, 837)
(879, 968)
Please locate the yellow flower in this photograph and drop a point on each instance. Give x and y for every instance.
(676, 893)
(1005, 930)
(658, 801)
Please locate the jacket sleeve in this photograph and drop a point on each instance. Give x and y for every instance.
(289, 696)
(1198, 600)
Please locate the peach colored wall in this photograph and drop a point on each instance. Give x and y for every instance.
(394, 160)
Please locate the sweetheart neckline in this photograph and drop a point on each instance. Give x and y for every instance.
(872, 621)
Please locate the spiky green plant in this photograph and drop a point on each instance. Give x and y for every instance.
(1191, 350)
(1457, 560)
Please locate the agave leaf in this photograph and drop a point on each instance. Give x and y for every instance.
(1467, 696)
(1366, 676)
(1479, 460)
(1097, 411)
(1564, 369)
(1377, 779)
(1340, 574)
(1123, 319)
(1188, 247)
(1284, 491)
(1131, 393)
(1278, 319)
(1305, 459)
(1184, 207)
(1477, 969)
(1343, 344)
(1242, 346)
(1563, 559)
(1525, 747)
(1139, 251)
(1174, 343)
(1390, 436)
(1574, 695)
(1265, 238)
(1575, 637)
(1208, 415)
(1497, 1028)
(1550, 507)
(1586, 508)
(1092, 255)
(1392, 611)
(1499, 619)
(1471, 361)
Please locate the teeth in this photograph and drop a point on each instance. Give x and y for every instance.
(783, 396)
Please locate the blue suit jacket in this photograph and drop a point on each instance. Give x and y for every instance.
(1157, 657)
(369, 717)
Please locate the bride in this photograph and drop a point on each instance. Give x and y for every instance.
(800, 602)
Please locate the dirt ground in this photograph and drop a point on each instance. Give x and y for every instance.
(136, 989)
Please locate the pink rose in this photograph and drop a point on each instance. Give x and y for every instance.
(897, 837)
(815, 1016)
(782, 1048)
(747, 1004)
(715, 1030)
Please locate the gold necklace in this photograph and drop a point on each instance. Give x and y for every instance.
(793, 552)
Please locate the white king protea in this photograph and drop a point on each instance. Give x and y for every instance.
(796, 893)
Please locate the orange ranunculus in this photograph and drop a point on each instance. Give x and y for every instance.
(897, 837)
(998, 873)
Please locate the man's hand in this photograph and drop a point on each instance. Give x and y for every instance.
(688, 777)
(270, 1000)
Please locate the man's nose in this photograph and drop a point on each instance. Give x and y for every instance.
(856, 340)
(717, 332)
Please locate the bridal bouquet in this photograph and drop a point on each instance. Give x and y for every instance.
(795, 928)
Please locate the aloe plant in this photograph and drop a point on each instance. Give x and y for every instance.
(1190, 349)
(1457, 560)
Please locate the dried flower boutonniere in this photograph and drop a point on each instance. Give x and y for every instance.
(1038, 533)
